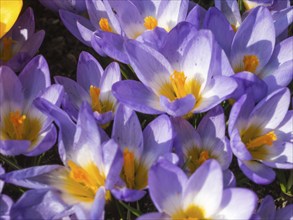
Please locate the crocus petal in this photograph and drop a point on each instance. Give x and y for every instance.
(230, 9)
(196, 16)
(232, 207)
(111, 75)
(112, 162)
(166, 183)
(153, 38)
(178, 107)
(65, 125)
(14, 147)
(128, 195)
(5, 204)
(270, 112)
(35, 77)
(89, 71)
(24, 27)
(285, 213)
(282, 19)
(267, 208)
(150, 66)
(229, 179)
(111, 44)
(10, 88)
(285, 127)
(218, 89)
(257, 172)
(204, 188)
(27, 51)
(154, 215)
(74, 23)
(97, 209)
(175, 43)
(238, 147)
(221, 28)
(34, 177)
(127, 130)
(38, 204)
(256, 36)
(47, 140)
(103, 118)
(157, 139)
(137, 96)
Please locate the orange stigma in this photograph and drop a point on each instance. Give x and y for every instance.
(128, 168)
(95, 96)
(17, 121)
(150, 23)
(251, 63)
(104, 25)
(266, 139)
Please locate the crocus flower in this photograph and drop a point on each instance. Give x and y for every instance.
(5, 201)
(140, 150)
(208, 141)
(21, 43)
(9, 12)
(261, 135)
(94, 85)
(252, 51)
(91, 168)
(23, 128)
(76, 6)
(185, 77)
(267, 210)
(201, 196)
(115, 21)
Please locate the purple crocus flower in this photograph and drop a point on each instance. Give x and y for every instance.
(208, 141)
(261, 135)
(21, 43)
(116, 21)
(140, 150)
(94, 85)
(23, 128)
(185, 77)
(267, 210)
(91, 166)
(201, 196)
(5, 201)
(76, 6)
(252, 51)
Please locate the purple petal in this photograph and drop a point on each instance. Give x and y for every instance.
(282, 20)
(257, 172)
(103, 118)
(178, 107)
(74, 23)
(5, 206)
(267, 208)
(153, 38)
(14, 147)
(166, 182)
(137, 96)
(89, 71)
(229, 179)
(154, 215)
(205, 187)
(111, 75)
(230, 9)
(285, 213)
(196, 16)
(238, 147)
(233, 208)
(127, 130)
(97, 209)
(128, 195)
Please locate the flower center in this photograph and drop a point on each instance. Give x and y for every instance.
(95, 96)
(250, 63)
(150, 22)
(128, 168)
(178, 82)
(17, 126)
(266, 139)
(195, 158)
(6, 50)
(234, 27)
(104, 25)
(191, 213)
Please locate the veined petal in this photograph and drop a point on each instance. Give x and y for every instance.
(196, 16)
(232, 207)
(166, 182)
(89, 71)
(14, 147)
(255, 37)
(230, 9)
(137, 96)
(282, 19)
(204, 188)
(128, 195)
(238, 147)
(267, 208)
(257, 172)
(6, 203)
(284, 213)
(97, 209)
(154, 215)
(127, 130)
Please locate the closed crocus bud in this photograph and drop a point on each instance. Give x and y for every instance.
(9, 12)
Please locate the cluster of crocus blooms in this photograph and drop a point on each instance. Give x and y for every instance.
(202, 90)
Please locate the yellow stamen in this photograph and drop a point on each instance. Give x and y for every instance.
(178, 82)
(191, 213)
(6, 52)
(104, 25)
(234, 27)
(204, 155)
(17, 121)
(266, 139)
(150, 22)
(195, 158)
(251, 63)
(95, 96)
(128, 168)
